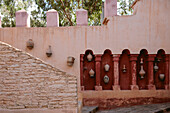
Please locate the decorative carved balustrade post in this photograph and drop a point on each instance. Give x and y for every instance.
(167, 72)
(151, 85)
(98, 72)
(116, 85)
(133, 59)
(81, 72)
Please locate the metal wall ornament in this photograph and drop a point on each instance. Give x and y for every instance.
(70, 61)
(162, 77)
(89, 57)
(141, 61)
(124, 69)
(142, 72)
(91, 73)
(30, 44)
(156, 67)
(159, 59)
(106, 79)
(107, 67)
(49, 52)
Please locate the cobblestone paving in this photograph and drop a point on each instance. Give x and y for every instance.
(152, 108)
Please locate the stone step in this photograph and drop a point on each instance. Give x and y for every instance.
(150, 108)
(89, 109)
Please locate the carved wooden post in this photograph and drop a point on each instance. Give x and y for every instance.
(116, 85)
(98, 72)
(133, 59)
(81, 72)
(151, 85)
(167, 72)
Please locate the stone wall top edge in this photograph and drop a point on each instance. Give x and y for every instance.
(63, 27)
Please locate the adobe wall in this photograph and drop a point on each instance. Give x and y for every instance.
(28, 84)
(147, 29)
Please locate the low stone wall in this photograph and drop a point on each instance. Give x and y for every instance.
(27, 82)
(123, 98)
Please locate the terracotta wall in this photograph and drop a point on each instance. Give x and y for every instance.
(147, 29)
(113, 99)
(28, 84)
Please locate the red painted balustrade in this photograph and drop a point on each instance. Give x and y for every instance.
(126, 71)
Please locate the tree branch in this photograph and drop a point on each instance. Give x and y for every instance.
(93, 6)
(82, 3)
(71, 23)
(78, 4)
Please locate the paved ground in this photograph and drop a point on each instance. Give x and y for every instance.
(153, 108)
(87, 109)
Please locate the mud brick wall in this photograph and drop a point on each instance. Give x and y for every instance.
(28, 82)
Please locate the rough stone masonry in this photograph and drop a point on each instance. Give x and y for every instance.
(28, 82)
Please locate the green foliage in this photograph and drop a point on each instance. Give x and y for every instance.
(65, 8)
(125, 7)
(8, 9)
(94, 8)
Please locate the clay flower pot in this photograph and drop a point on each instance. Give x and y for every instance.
(156, 67)
(124, 69)
(142, 72)
(91, 73)
(49, 52)
(70, 61)
(89, 57)
(162, 77)
(30, 44)
(106, 79)
(107, 67)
